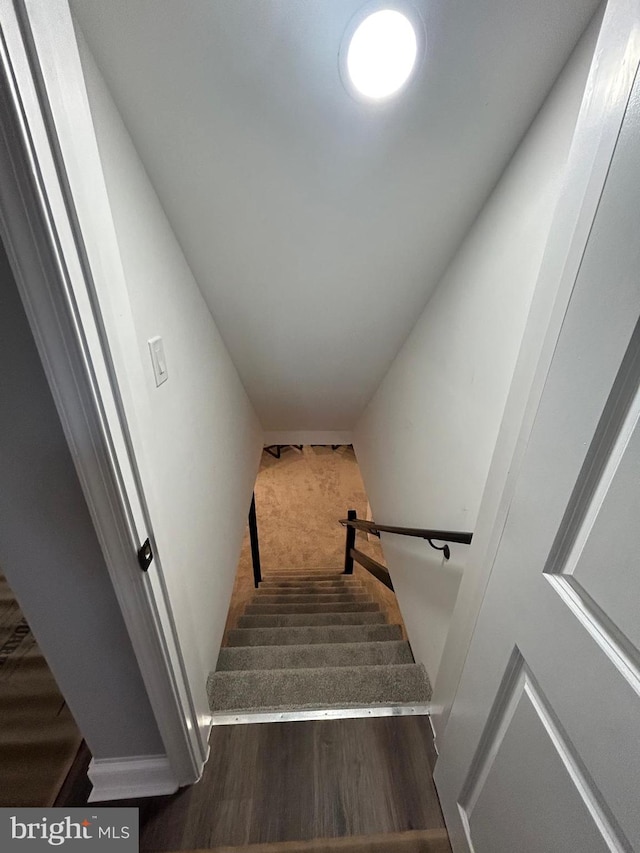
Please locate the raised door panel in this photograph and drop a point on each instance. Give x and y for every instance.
(600, 552)
(527, 789)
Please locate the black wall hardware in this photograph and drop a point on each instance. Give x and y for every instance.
(350, 544)
(275, 450)
(145, 555)
(255, 546)
(353, 523)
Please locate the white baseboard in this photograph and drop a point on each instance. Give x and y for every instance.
(131, 777)
(208, 755)
(308, 437)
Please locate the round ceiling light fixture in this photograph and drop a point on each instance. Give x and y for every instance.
(380, 51)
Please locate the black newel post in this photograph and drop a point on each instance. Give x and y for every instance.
(255, 549)
(351, 541)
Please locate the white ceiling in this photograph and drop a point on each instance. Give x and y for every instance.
(317, 226)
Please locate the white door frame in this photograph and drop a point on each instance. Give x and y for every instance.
(48, 255)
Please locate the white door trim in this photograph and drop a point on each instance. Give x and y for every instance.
(48, 256)
(129, 778)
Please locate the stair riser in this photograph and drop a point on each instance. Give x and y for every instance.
(325, 586)
(345, 607)
(306, 590)
(297, 570)
(306, 577)
(303, 581)
(312, 634)
(310, 656)
(336, 598)
(273, 620)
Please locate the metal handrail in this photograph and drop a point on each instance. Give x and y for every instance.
(352, 523)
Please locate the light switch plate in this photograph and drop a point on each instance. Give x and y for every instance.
(156, 348)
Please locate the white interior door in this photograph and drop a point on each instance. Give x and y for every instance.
(542, 750)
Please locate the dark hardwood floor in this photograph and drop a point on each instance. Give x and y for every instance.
(294, 781)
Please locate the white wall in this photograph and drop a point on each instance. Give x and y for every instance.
(426, 439)
(51, 557)
(197, 437)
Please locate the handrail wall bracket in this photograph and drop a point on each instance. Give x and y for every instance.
(353, 523)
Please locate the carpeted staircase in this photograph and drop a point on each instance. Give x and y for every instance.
(311, 640)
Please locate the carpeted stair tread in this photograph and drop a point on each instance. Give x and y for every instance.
(306, 634)
(336, 570)
(318, 655)
(311, 589)
(311, 582)
(322, 587)
(338, 607)
(312, 579)
(324, 687)
(317, 598)
(314, 586)
(286, 620)
(322, 567)
(304, 577)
